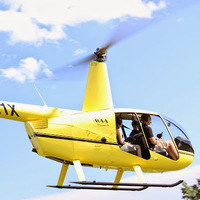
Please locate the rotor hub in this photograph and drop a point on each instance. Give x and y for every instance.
(100, 55)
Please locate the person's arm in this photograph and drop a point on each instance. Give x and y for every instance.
(121, 141)
(154, 141)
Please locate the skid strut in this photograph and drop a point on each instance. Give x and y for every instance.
(118, 177)
(65, 166)
(62, 174)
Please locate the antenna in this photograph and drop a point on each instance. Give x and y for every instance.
(40, 96)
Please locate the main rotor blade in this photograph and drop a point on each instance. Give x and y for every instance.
(74, 64)
(60, 72)
(128, 28)
(123, 31)
(131, 27)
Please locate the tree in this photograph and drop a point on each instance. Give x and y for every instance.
(191, 192)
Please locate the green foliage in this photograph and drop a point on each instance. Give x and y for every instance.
(191, 192)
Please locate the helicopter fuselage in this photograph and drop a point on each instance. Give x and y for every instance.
(67, 135)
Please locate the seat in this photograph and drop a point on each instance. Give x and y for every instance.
(139, 139)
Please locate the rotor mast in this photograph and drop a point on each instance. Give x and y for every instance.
(98, 93)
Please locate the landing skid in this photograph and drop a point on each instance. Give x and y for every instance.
(129, 184)
(95, 186)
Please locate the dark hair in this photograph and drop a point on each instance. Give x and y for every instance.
(134, 123)
(118, 121)
(145, 117)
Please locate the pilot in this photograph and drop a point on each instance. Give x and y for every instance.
(125, 146)
(157, 144)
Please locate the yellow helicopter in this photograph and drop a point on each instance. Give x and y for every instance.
(88, 137)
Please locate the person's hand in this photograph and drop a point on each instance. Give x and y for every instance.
(130, 145)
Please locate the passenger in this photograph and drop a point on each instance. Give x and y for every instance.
(136, 128)
(135, 135)
(125, 146)
(157, 144)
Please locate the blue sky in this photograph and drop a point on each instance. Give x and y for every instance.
(155, 69)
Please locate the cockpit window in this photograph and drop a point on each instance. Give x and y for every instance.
(175, 129)
(132, 132)
(158, 127)
(154, 127)
(180, 136)
(162, 128)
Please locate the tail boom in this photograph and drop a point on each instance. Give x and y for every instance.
(25, 112)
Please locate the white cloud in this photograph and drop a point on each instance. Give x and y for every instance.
(36, 20)
(27, 70)
(80, 51)
(8, 57)
(189, 175)
(48, 73)
(22, 28)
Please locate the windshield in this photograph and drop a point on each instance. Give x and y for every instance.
(182, 141)
(175, 128)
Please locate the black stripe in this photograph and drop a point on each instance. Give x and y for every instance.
(71, 138)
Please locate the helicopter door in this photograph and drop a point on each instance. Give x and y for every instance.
(134, 134)
(160, 131)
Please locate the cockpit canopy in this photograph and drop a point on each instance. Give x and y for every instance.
(180, 136)
(161, 127)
